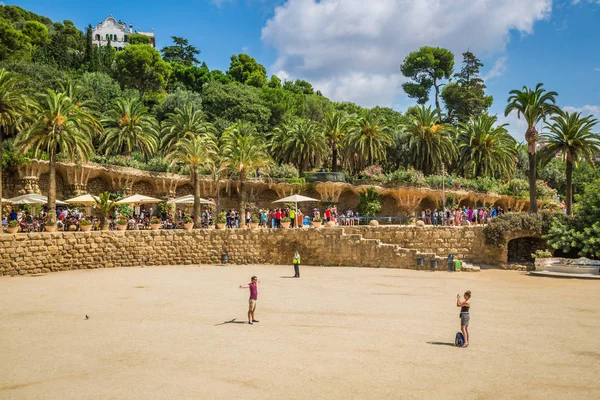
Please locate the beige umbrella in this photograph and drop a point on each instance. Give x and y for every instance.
(296, 198)
(86, 200)
(189, 199)
(5, 201)
(32, 198)
(138, 199)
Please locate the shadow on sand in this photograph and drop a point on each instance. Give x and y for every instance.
(233, 321)
(287, 276)
(442, 344)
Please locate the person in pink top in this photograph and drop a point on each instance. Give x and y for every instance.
(253, 286)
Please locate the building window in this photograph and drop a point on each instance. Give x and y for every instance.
(97, 37)
(125, 38)
(107, 36)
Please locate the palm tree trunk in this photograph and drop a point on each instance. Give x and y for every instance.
(218, 197)
(569, 200)
(532, 179)
(241, 199)
(1, 137)
(196, 211)
(52, 187)
(334, 157)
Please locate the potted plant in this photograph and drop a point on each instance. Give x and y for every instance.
(13, 227)
(188, 222)
(285, 222)
(317, 221)
(154, 223)
(50, 226)
(222, 220)
(106, 207)
(122, 224)
(85, 225)
(253, 222)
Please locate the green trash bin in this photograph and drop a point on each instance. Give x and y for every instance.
(457, 265)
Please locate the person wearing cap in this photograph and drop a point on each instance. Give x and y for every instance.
(296, 262)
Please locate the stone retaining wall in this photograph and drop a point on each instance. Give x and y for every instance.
(465, 242)
(31, 253)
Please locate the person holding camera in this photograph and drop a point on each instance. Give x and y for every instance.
(464, 305)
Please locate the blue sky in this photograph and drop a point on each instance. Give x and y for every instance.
(352, 49)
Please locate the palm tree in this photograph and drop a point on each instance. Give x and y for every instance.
(336, 126)
(367, 140)
(130, 126)
(59, 127)
(193, 150)
(430, 142)
(278, 142)
(534, 105)
(245, 150)
(106, 206)
(485, 149)
(305, 144)
(217, 165)
(570, 136)
(13, 107)
(184, 121)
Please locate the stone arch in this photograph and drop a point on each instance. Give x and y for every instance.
(184, 190)
(347, 199)
(44, 184)
(428, 203)
(519, 249)
(389, 205)
(142, 187)
(97, 185)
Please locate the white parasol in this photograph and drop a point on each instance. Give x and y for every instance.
(296, 198)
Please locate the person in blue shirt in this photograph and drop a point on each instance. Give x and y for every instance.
(13, 215)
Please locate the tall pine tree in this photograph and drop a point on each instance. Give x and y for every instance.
(465, 97)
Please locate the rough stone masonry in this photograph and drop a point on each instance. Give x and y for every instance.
(387, 247)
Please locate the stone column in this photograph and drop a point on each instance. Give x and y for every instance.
(77, 189)
(29, 184)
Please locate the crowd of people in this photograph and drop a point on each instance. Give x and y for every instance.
(460, 216)
(71, 218)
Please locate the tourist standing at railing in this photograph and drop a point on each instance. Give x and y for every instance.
(277, 218)
(435, 217)
(292, 217)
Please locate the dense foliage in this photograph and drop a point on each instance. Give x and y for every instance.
(503, 226)
(579, 234)
(144, 103)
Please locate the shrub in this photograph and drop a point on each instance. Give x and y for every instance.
(369, 202)
(500, 227)
(187, 219)
(254, 219)
(409, 177)
(317, 219)
(154, 221)
(85, 222)
(121, 221)
(372, 173)
(222, 217)
(286, 219)
(516, 187)
(541, 254)
(282, 171)
(13, 224)
(50, 224)
(544, 191)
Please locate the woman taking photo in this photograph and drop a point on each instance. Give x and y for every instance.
(464, 305)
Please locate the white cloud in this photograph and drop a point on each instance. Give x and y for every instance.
(498, 69)
(516, 126)
(585, 110)
(345, 45)
(597, 69)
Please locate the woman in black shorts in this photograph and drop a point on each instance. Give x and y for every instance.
(464, 305)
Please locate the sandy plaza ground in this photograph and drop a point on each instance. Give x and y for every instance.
(335, 333)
